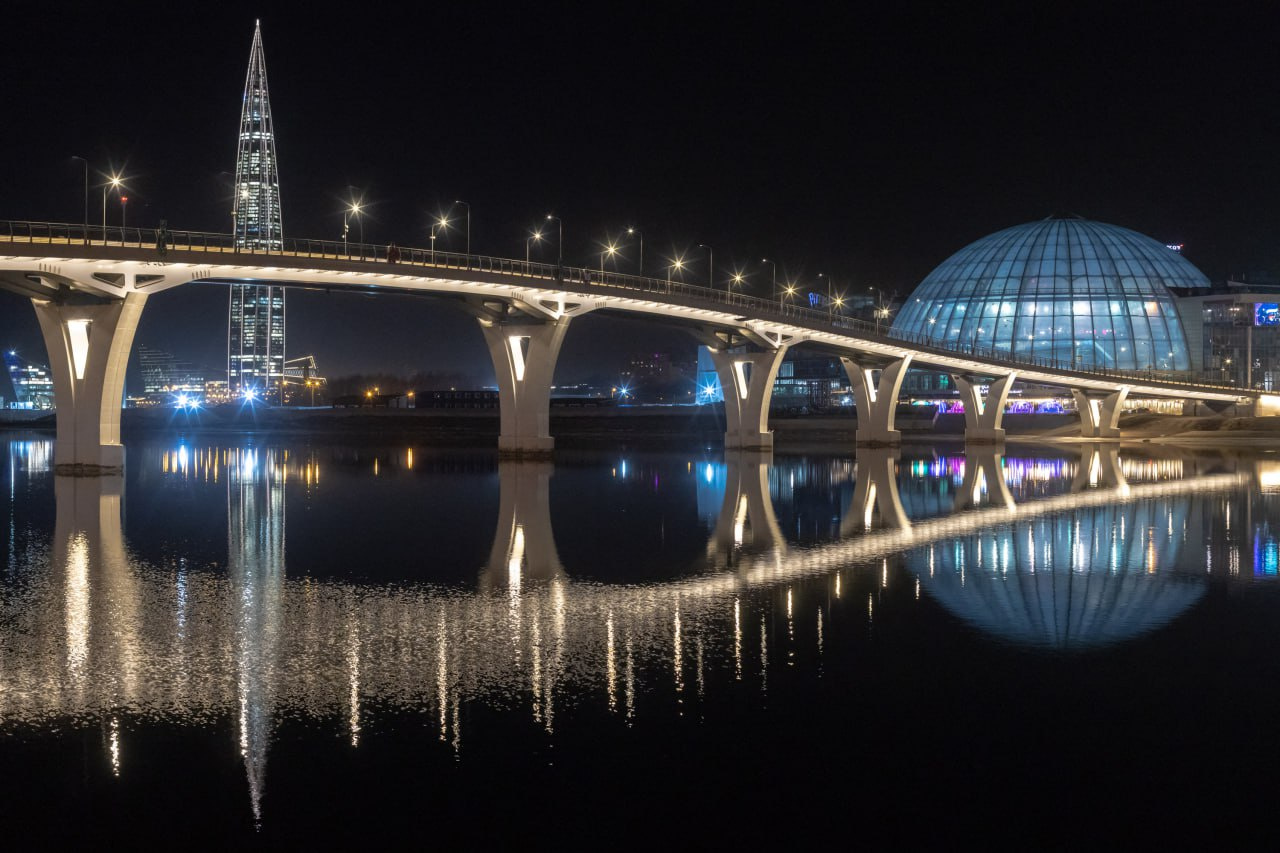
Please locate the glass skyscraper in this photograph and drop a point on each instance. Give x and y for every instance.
(255, 321)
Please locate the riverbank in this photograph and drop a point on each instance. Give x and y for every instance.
(650, 426)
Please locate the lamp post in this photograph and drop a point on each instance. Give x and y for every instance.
(640, 234)
(86, 195)
(609, 250)
(124, 201)
(711, 265)
(468, 207)
(113, 182)
(676, 264)
(535, 236)
(787, 292)
(773, 265)
(559, 239)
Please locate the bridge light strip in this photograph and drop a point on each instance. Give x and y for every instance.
(78, 335)
(517, 355)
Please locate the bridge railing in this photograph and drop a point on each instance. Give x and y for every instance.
(584, 280)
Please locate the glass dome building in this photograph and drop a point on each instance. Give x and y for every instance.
(1080, 292)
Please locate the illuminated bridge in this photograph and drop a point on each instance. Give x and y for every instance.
(90, 285)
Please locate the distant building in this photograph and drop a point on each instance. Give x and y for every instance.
(255, 321)
(32, 384)
(164, 377)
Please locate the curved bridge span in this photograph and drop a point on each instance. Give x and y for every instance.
(89, 288)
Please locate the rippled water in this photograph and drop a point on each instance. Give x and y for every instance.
(244, 639)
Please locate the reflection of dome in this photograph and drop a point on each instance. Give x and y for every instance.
(1067, 289)
(1079, 580)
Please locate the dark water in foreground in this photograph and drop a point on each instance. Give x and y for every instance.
(278, 641)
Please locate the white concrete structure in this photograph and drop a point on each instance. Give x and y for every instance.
(1100, 415)
(983, 416)
(524, 311)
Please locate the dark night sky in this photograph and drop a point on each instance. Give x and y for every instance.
(866, 141)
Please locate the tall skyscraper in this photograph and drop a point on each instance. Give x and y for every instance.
(255, 322)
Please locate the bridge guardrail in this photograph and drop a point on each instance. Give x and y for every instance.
(566, 277)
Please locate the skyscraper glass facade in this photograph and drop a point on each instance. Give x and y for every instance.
(1082, 293)
(256, 317)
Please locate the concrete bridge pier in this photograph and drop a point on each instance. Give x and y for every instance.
(88, 339)
(876, 489)
(747, 519)
(747, 381)
(876, 399)
(1100, 416)
(524, 346)
(983, 466)
(984, 417)
(524, 547)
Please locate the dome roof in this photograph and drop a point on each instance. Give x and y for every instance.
(1079, 292)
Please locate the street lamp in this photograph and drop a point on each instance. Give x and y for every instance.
(86, 194)
(773, 265)
(640, 234)
(610, 250)
(468, 207)
(535, 236)
(114, 182)
(711, 265)
(788, 292)
(124, 201)
(559, 239)
(353, 210)
(435, 230)
(677, 264)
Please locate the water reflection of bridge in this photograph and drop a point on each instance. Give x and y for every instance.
(101, 634)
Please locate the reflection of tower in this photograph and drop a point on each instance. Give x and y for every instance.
(255, 328)
(255, 567)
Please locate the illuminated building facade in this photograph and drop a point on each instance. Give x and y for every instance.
(1234, 335)
(256, 318)
(32, 384)
(1081, 293)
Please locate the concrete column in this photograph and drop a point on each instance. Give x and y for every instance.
(524, 357)
(983, 466)
(747, 381)
(1100, 416)
(984, 418)
(876, 489)
(524, 547)
(88, 344)
(747, 521)
(876, 401)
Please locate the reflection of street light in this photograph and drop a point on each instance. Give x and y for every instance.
(639, 234)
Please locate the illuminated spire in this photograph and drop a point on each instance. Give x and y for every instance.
(257, 202)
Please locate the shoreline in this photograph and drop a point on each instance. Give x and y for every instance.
(631, 426)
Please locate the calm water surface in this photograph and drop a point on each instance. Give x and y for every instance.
(243, 639)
